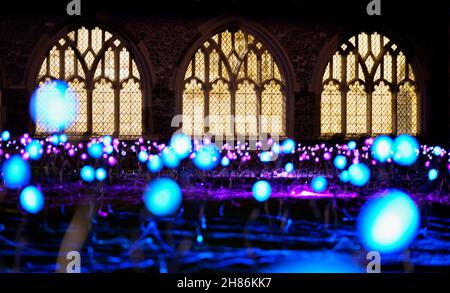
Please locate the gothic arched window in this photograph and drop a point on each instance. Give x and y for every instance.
(233, 75)
(102, 72)
(369, 88)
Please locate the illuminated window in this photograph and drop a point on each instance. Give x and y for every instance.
(369, 89)
(105, 78)
(233, 75)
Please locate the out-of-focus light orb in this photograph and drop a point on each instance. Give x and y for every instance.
(288, 146)
(154, 163)
(34, 149)
(432, 174)
(344, 176)
(6, 135)
(181, 144)
(265, 157)
(108, 149)
(289, 167)
(359, 174)
(87, 173)
(388, 223)
(143, 156)
(340, 162)
(261, 190)
(225, 162)
(207, 157)
(31, 200)
(112, 161)
(16, 172)
(63, 137)
(95, 150)
(275, 148)
(54, 139)
(382, 148)
(53, 105)
(100, 174)
(437, 150)
(319, 184)
(162, 197)
(351, 145)
(406, 150)
(107, 140)
(170, 158)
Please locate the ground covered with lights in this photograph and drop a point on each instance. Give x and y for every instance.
(192, 206)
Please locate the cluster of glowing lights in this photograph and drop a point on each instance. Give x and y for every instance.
(388, 223)
(162, 197)
(207, 157)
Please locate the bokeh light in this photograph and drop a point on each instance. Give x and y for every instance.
(6, 135)
(155, 164)
(351, 145)
(53, 106)
(95, 150)
(207, 157)
(289, 167)
(181, 144)
(31, 200)
(87, 173)
(100, 174)
(388, 223)
(162, 197)
(225, 162)
(382, 148)
(344, 176)
(34, 149)
(143, 156)
(406, 150)
(319, 184)
(16, 172)
(170, 158)
(433, 174)
(261, 190)
(359, 174)
(340, 162)
(288, 146)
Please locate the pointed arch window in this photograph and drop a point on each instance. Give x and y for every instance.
(233, 75)
(104, 75)
(369, 88)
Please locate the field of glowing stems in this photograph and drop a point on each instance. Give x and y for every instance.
(191, 206)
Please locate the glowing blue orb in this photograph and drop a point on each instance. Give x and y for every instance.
(225, 162)
(406, 150)
(16, 172)
(437, 150)
(107, 140)
(181, 144)
(143, 156)
(319, 184)
(31, 200)
(207, 157)
(289, 167)
(100, 174)
(53, 105)
(344, 176)
(170, 158)
(265, 157)
(162, 197)
(288, 146)
(6, 135)
(87, 173)
(54, 139)
(432, 174)
(340, 162)
(275, 148)
(154, 164)
(351, 145)
(359, 174)
(95, 150)
(382, 148)
(108, 149)
(34, 149)
(261, 190)
(63, 137)
(389, 223)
